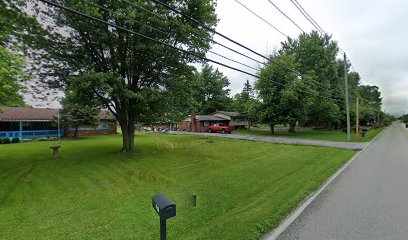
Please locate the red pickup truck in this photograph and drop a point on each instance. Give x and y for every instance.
(219, 127)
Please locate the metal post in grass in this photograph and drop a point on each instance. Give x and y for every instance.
(166, 209)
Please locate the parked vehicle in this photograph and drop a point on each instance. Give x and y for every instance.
(219, 127)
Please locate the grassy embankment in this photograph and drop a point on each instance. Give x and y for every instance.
(325, 135)
(243, 188)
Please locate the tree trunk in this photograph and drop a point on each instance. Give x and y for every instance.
(128, 135)
(76, 131)
(292, 127)
(272, 129)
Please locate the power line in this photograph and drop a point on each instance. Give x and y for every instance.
(192, 30)
(315, 24)
(306, 16)
(310, 17)
(322, 86)
(233, 41)
(166, 34)
(286, 15)
(208, 28)
(163, 43)
(263, 19)
(222, 35)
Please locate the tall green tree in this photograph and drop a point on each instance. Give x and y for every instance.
(370, 105)
(282, 93)
(252, 108)
(17, 33)
(315, 56)
(78, 110)
(240, 99)
(10, 74)
(212, 92)
(127, 74)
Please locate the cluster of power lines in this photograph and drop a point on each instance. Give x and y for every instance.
(268, 60)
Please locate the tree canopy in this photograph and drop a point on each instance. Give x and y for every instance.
(128, 74)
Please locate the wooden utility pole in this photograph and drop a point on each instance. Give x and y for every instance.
(347, 98)
(358, 117)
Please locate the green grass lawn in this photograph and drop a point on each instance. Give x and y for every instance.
(243, 188)
(326, 135)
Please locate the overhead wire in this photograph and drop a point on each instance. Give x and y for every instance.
(284, 14)
(263, 19)
(166, 34)
(321, 86)
(315, 24)
(318, 26)
(229, 39)
(165, 44)
(192, 30)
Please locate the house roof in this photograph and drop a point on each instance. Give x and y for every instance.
(231, 114)
(206, 118)
(12, 114)
(209, 118)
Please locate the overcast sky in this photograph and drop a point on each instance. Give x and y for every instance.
(370, 32)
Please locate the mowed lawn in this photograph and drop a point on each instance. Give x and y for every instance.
(243, 188)
(325, 135)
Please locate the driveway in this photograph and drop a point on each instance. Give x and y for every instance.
(345, 145)
(368, 201)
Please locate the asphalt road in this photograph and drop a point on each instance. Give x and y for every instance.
(345, 145)
(369, 200)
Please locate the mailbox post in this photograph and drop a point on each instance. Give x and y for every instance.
(166, 209)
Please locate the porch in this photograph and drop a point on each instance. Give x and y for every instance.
(31, 134)
(29, 130)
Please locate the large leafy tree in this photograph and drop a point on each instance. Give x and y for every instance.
(370, 105)
(315, 56)
(240, 99)
(17, 33)
(282, 93)
(128, 74)
(212, 92)
(10, 74)
(78, 109)
(252, 108)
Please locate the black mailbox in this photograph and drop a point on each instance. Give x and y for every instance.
(166, 209)
(164, 206)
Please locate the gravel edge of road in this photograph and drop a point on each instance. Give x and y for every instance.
(273, 235)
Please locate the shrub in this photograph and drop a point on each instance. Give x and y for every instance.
(5, 141)
(15, 140)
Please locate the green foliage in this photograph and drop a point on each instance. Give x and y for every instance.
(20, 36)
(315, 56)
(318, 98)
(127, 74)
(282, 93)
(10, 74)
(211, 91)
(240, 99)
(252, 109)
(370, 105)
(5, 141)
(404, 118)
(15, 140)
(80, 108)
(94, 192)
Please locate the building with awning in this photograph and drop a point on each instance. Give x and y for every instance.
(25, 123)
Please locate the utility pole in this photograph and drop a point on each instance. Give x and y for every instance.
(358, 117)
(347, 98)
